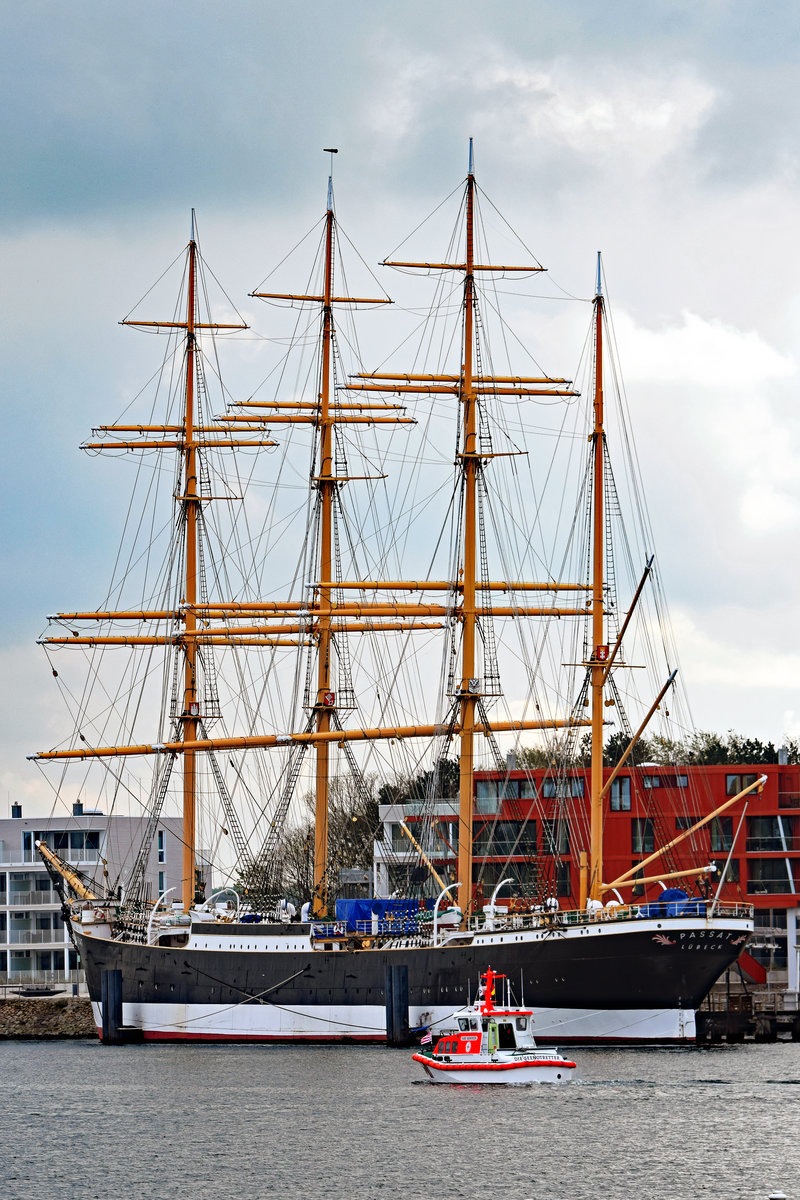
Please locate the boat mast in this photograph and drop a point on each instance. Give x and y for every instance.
(190, 499)
(599, 653)
(326, 484)
(470, 464)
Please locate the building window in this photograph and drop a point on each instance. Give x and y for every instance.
(75, 845)
(731, 875)
(504, 838)
(642, 836)
(563, 884)
(555, 837)
(665, 781)
(770, 876)
(445, 839)
(160, 882)
(399, 840)
(621, 794)
(563, 788)
(735, 783)
(162, 853)
(721, 834)
(765, 834)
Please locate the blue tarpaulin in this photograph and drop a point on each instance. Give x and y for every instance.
(674, 902)
(391, 914)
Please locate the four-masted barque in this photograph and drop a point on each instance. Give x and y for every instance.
(232, 966)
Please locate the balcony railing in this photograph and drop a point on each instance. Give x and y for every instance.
(10, 981)
(773, 845)
(33, 937)
(771, 887)
(30, 899)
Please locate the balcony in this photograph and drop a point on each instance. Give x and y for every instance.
(30, 899)
(773, 845)
(33, 937)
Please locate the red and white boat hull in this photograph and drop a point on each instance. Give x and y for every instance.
(507, 1071)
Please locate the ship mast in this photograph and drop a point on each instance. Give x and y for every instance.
(190, 501)
(599, 653)
(191, 436)
(319, 619)
(326, 484)
(468, 692)
(469, 388)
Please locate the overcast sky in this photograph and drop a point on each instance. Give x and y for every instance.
(665, 134)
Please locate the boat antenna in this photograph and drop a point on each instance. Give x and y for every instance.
(191, 231)
(330, 150)
(599, 286)
(471, 169)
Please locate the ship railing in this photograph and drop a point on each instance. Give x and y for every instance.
(540, 918)
(382, 928)
(537, 918)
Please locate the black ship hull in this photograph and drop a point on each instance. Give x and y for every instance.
(628, 981)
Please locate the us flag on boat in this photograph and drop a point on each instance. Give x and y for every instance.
(426, 1037)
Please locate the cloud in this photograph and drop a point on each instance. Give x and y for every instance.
(645, 117)
(717, 658)
(700, 352)
(721, 390)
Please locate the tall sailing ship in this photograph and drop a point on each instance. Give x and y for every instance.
(363, 674)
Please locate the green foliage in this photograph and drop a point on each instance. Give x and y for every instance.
(618, 743)
(441, 781)
(700, 748)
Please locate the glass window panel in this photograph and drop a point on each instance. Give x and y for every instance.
(735, 783)
(731, 875)
(642, 836)
(621, 794)
(769, 876)
(721, 833)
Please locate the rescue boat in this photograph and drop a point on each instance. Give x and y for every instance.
(490, 1044)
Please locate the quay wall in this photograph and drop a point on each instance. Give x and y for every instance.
(46, 1017)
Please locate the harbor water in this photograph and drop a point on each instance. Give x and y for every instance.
(244, 1122)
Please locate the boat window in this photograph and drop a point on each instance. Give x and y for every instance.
(522, 1022)
(463, 1023)
(474, 1024)
(484, 1025)
(505, 1035)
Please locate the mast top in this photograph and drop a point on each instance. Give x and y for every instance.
(598, 291)
(471, 168)
(191, 228)
(330, 150)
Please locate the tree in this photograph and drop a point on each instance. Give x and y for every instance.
(618, 743)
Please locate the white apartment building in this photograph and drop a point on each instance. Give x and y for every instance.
(34, 944)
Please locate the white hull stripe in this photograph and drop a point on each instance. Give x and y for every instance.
(267, 1022)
